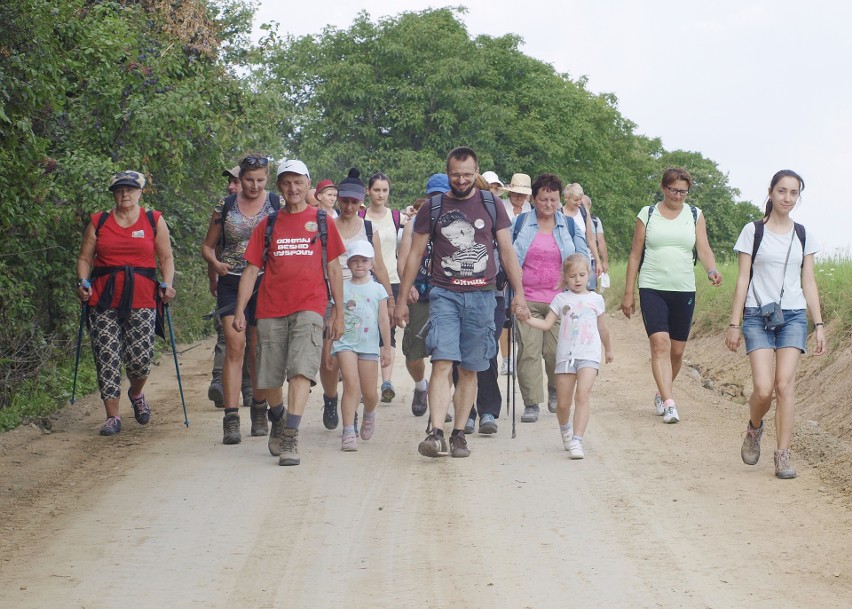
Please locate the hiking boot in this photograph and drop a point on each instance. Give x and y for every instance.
(420, 401)
(433, 446)
(289, 454)
(329, 412)
(658, 405)
(215, 392)
(349, 442)
(259, 425)
(111, 427)
(671, 415)
(458, 446)
(231, 429)
(567, 435)
(470, 426)
(783, 467)
(275, 433)
(575, 449)
(530, 413)
(141, 410)
(487, 424)
(750, 452)
(388, 393)
(551, 399)
(368, 427)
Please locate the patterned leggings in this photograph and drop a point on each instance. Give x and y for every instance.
(113, 341)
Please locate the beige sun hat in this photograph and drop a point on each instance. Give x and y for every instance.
(521, 184)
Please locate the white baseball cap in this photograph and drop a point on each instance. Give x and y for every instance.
(491, 178)
(361, 247)
(293, 166)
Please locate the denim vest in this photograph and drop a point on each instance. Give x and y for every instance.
(561, 233)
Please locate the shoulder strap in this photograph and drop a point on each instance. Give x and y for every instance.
(800, 233)
(153, 222)
(368, 228)
(582, 212)
(491, 208)
(396, 218)
(758, 237)
(275, 201)
(645, 242)
(227, 206)
(519, 224)
(267, 234)
(362, 212)
(322, 227)
(694, 247)
(101, 221)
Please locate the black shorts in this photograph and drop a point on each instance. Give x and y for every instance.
(226, 295)
(669, 312)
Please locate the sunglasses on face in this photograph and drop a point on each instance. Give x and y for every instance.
(254, 162)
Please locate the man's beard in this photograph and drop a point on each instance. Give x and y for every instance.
(462, 194)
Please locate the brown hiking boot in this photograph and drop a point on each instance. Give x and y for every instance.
(289, 452)
(259, 426)
(275, 434)
(231, 429)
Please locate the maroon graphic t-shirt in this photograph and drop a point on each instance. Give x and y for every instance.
(463, 243)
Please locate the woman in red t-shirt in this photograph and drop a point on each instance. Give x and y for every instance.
(117, 268)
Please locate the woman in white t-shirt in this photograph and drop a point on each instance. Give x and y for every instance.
(778, 273)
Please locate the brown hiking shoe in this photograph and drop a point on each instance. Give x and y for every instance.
(750, 452)
(275, 435)
(289, 454)
(259, 426)
(458, 446)
(231, 429)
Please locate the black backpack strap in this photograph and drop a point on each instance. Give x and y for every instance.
(267, 234)
(227, 205)
(800, 233)
(758, 237)
(645, 242)
(695, 222)
(101, 221)
(434, 213)
(491, 208)
(583, 212)
(275, 201)
(152, 221)
(519, 224)
(322, 227)
(368, 228)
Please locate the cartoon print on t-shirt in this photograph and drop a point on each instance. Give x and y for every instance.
(470, 258)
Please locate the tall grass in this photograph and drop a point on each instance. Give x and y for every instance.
(713, 305)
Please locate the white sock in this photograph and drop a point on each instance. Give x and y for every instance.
(421, 385)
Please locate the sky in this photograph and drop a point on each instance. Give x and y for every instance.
(754, 85)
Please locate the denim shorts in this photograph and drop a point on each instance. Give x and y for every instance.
(461, 327)
(571, 366)
(792, 333)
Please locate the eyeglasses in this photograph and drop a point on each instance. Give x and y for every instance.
(677, 191)
(254, 161)
(462, 176)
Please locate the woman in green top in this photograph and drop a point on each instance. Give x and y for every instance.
(662, 257)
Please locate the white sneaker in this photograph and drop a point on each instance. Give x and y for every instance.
(658, 405)
(566, 437)
(575, 448)
(670, 415)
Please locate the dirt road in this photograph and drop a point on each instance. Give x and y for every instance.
(655, 516)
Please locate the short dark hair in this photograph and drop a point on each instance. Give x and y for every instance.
(546, 181)
(462, 153)
(673, 174)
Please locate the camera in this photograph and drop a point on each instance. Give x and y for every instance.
(772, 314)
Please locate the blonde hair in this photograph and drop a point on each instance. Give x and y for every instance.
(573, 190)
(572, 261)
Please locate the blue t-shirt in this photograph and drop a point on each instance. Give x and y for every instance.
(360, 318)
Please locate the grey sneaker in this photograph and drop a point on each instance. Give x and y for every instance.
(259, 426)
(658, 405)
(289, 454)
(420, 401)
(487, 424)
(329, 412)
(433, 446)
(783, 467)
(470, 426)
(275, 434)
(215, 392)
(458, 446)
(231, 429)
(111, 427)
(750, 452)
(141, 410)
(551, 399)
(530, 413)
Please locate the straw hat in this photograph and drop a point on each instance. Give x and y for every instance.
(521, 184)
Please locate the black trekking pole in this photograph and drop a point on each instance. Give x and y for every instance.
(177, 367)
(514, 365)
(83, 310)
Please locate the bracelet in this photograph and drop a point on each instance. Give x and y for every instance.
(819, 324)
(85, 284)
(711, 271)
(733, 326)
(164, 285)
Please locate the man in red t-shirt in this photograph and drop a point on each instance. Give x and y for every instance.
(462, 299)
(291, 303)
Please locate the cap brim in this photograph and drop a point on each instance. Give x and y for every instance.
(121, 183)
